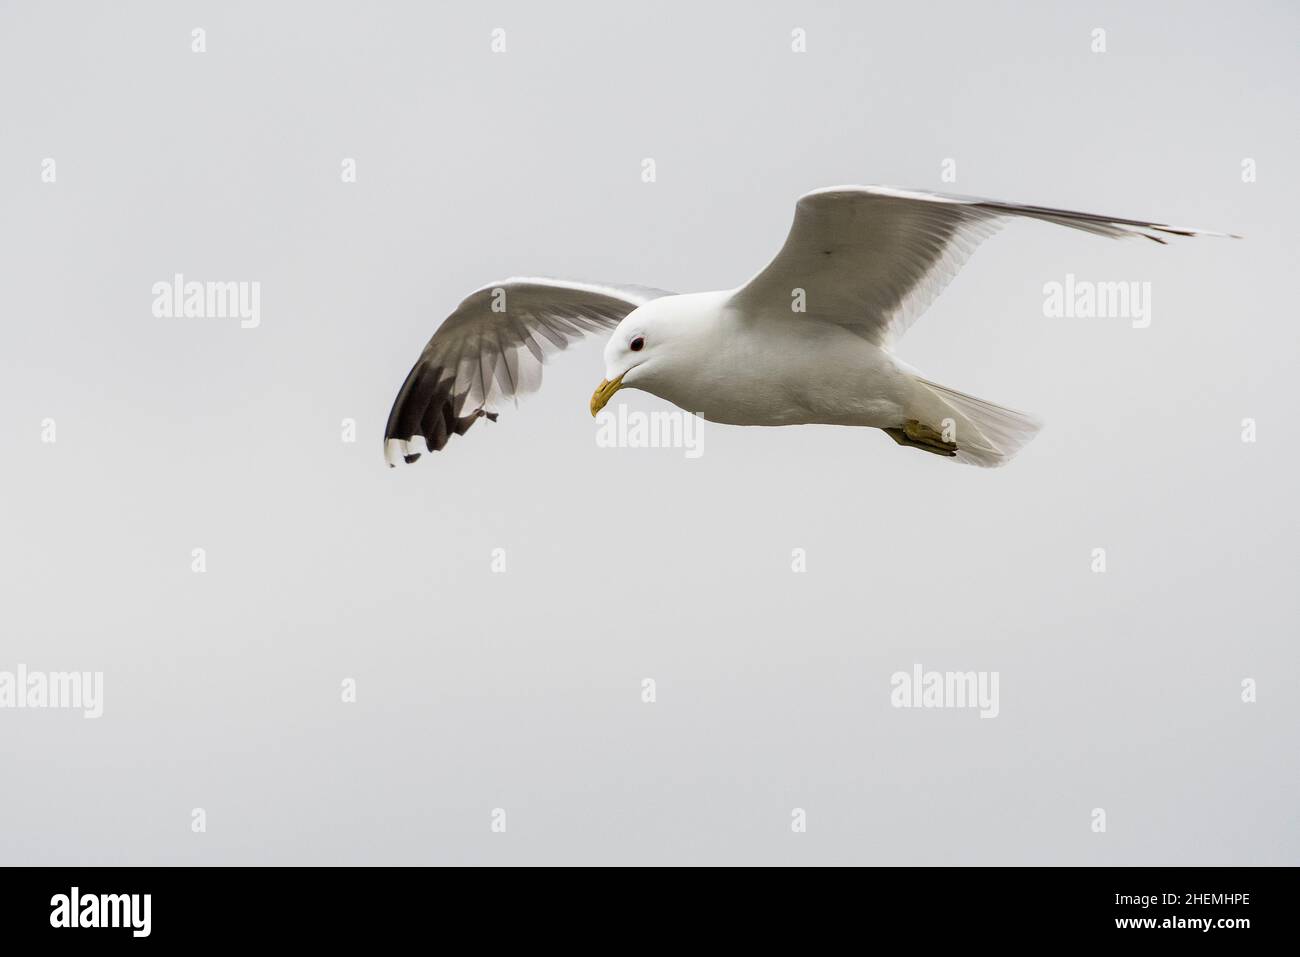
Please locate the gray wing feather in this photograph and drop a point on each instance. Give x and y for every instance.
(492, 348)
(873, 258)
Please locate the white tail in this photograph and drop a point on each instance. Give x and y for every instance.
(987, 435)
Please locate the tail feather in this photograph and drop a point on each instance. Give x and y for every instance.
(987, 435)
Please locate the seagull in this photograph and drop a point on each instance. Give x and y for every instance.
(809, 339)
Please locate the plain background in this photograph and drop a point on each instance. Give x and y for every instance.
(522, 690)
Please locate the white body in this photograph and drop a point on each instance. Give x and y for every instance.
(769, 368)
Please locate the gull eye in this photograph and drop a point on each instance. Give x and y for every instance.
(638, 344)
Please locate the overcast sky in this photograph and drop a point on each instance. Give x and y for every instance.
(523, 690)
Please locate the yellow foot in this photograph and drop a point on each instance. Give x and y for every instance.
(920, 436)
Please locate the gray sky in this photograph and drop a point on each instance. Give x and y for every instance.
(522, 690)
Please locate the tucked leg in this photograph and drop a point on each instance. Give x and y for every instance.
(918, 435)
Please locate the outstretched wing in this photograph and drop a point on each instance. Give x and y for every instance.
(493, 347)
(873, 258)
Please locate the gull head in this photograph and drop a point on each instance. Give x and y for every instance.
(641, 346)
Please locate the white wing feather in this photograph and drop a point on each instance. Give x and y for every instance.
(873, 258)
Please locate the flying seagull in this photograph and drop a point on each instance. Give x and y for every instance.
(807, 340)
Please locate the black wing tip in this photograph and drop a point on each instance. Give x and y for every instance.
(1191, 233)
(397, 446)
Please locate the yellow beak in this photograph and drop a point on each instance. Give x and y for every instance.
(604, 392)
